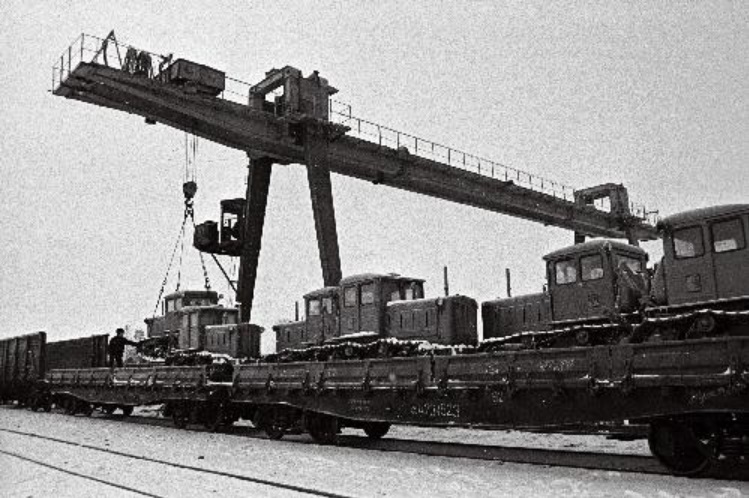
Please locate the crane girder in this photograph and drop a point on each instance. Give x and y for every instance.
(263, 134)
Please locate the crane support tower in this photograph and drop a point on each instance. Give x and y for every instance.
(285, 119)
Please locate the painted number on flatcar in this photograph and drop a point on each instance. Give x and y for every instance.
(436, 410)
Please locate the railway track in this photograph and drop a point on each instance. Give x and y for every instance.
(532, 456)
(510, 454)
(507, 454)
(130, 456)
(105, 482)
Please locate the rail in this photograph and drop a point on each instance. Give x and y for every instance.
(109, 52)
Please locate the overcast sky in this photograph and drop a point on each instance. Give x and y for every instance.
(654, 95)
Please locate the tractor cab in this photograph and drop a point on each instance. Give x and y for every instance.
(321, 310)
(589, 281)
(223, 237)
(185, 314)
(705, 255)
(364, 299)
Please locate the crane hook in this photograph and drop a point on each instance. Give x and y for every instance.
(189, 189)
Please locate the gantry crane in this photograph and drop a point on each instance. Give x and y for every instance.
(286, 119)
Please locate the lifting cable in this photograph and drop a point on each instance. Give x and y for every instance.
(180, 237)
(226, 275)
(179, 266)
(189, 188)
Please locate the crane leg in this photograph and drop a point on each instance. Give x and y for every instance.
(324, 213)
(258, 181)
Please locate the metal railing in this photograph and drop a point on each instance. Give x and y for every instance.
(109, 52)
(341, 113)
(382, 135)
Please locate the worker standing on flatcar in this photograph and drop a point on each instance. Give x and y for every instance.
(117, 348)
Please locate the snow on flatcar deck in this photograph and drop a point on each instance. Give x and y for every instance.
(106, 457)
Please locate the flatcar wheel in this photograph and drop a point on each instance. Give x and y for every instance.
(271, 421)
(108, 409)
(215, 418)
(376, 430)
(86, 409)
(36, 403)
(127, 410)
(70, 406)
(274, 430)
(323, 429)
(676, 446)
(180, 416)
(43, 402)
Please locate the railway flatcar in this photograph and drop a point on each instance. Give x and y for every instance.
(374, 306)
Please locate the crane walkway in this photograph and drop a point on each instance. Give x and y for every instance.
(107, 73)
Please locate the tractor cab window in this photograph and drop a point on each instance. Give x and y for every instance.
(688, 243)
(349, 297)
(172, 305)
(634, 264)
(591, 267)
(395, 295)
(413, 291)
(367, 294)
(327, 305)
(313, 307)
(728, 235)
(565, 271)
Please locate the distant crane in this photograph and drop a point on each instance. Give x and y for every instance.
(287, 118)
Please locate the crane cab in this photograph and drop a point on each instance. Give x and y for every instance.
(705, 254)
(223, 237)
(587, 281)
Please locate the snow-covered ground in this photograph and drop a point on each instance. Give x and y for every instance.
(338, 470)
(568, 442)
